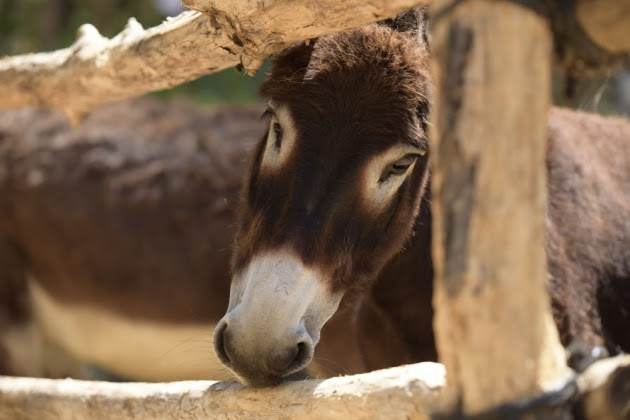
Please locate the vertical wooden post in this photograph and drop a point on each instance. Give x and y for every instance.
(494, 330)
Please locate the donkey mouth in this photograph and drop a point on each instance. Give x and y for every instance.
(277, 309)
(268, 367)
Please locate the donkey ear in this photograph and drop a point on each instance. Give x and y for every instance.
(283, 69)
(415, 22)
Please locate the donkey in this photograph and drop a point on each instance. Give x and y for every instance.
(115, 237)
(336, 208)
(115, 241)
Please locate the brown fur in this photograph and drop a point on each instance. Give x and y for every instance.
(352, 96)
(588, 247)
(338, 131)
(14, 308)
(132, 212)
(110, 214)
(140, 196)
(143, 192)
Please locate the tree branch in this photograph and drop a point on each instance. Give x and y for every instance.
(403, 392)
(243, 33)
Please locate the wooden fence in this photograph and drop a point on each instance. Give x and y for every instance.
(495, 334)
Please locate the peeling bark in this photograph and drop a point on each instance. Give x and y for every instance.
(244, 33)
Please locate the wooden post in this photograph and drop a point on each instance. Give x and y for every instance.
(607, 22)
(494, 330)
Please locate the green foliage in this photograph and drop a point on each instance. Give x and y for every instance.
(226, 87)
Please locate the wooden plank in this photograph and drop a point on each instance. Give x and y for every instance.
(494, 328)
(406, 392)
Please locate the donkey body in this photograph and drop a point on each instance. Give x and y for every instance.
(115, 236)
(115, 240)
(337, 206)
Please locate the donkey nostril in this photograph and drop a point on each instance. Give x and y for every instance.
(281, 360)
(219, 343)
(302, 355)
(291, 360)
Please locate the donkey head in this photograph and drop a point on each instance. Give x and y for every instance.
(332, 195)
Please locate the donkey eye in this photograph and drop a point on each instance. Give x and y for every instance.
(277, 131)
(399, 167)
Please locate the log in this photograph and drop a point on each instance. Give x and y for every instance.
(494, 328)
(606, 22)
(243, 33)
(605, 389)
(399, 393)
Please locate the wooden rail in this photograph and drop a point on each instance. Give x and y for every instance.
(399, 393)
(96, 70)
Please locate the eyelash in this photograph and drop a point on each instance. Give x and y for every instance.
(398, 169)
(278, 133)
(277, 129)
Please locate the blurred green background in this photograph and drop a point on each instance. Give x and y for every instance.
(44, 25)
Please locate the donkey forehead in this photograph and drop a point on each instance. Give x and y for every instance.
(341, 128)
(371, 76)
(360, 110)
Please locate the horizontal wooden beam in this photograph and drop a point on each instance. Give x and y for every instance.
(414, 391)
(243, 33)
(399, 393)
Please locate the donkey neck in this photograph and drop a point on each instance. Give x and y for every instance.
(400, 301)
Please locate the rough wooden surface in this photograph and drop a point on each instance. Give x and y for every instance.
(493, 324)
(607, 22)
(605, 389)
(406, 392)
(96, 70)
(266, 27)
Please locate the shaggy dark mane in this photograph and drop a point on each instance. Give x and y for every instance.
(369, 61)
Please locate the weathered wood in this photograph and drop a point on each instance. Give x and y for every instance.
(494, 328)
(96, 70)
(399, 393)
(267, 27)
(605, 389)
(607, 22)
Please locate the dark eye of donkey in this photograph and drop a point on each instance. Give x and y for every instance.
(399, 167)
(277, 130)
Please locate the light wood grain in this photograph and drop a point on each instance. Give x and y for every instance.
(493, 323)
(406, 392)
